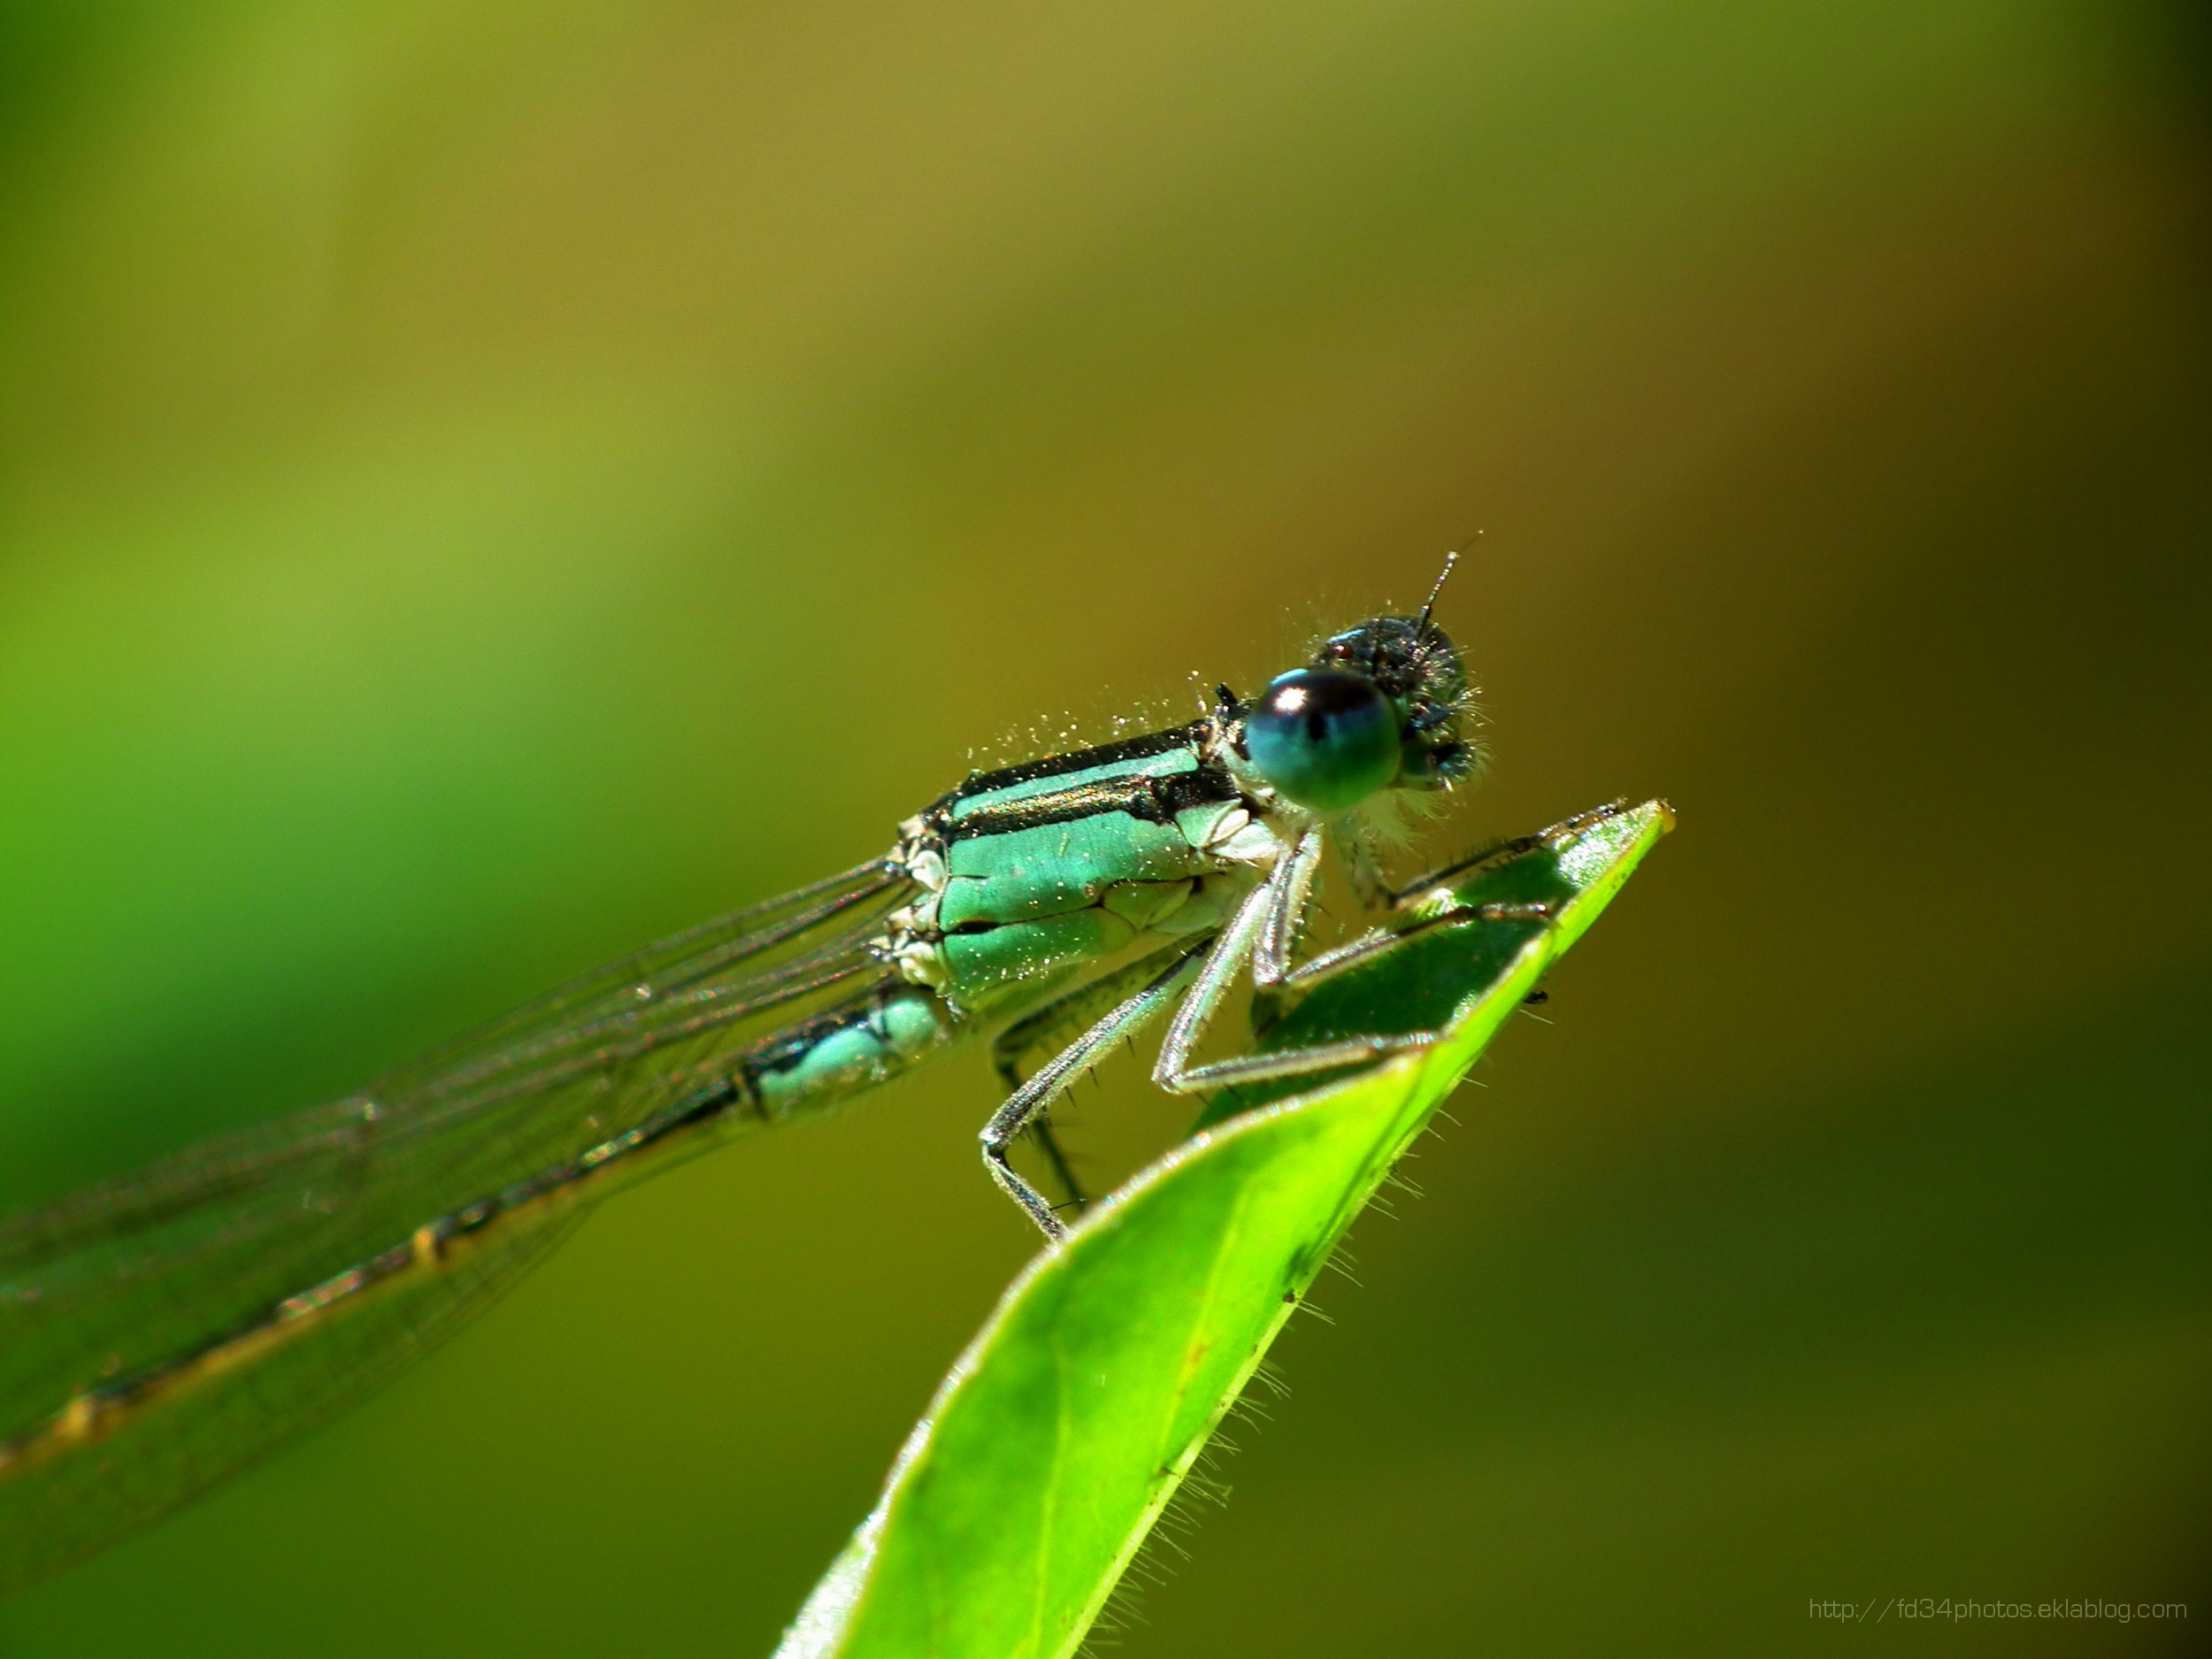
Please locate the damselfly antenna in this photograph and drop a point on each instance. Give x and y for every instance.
(1450, 559)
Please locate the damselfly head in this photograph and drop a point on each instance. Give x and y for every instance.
(1414, 666)
(1380, 707)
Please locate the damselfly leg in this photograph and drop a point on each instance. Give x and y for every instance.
(1262, 935)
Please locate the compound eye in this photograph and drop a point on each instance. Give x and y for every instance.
(1324, 739)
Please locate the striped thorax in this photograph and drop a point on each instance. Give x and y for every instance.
(1031, 873)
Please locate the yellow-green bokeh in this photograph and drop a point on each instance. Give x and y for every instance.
(482, 484)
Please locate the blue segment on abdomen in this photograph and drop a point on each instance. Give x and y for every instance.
(847, 1048)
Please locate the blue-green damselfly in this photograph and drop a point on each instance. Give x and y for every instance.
(159, 1331)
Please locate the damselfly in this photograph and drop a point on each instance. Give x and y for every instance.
(159, 1331)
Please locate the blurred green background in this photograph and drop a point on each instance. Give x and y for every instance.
(484, 484)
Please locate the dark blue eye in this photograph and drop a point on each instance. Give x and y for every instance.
(1324, 739)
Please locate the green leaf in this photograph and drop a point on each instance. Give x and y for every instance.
(1067, 1426)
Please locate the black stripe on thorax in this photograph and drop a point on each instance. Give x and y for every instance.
(1191, 736)
(1155, 800)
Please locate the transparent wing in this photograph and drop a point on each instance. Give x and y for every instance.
(57, 1510)
(168, 1326)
